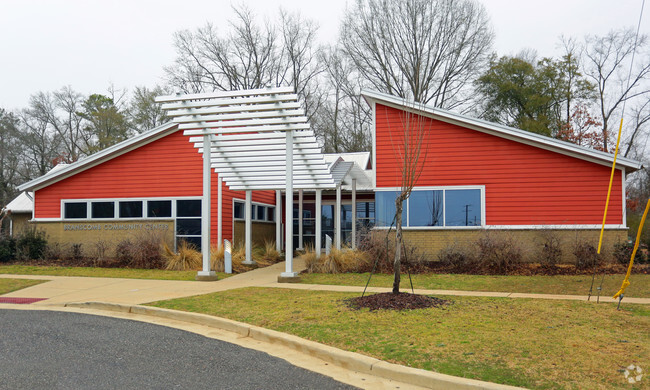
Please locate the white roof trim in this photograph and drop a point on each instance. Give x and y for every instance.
(511, 133)
(99, 157)
(23, 203)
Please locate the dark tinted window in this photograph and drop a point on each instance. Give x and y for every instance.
(188, 227)
(75, 210)
(238, 211)
(131, 209)
(194, 242)
(159, 208)
(270, 216)
(103, 209)
(261, 214)
(188, 208)
(385, 208)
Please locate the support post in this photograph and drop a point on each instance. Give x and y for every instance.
(206, 274)
(354, 214)
(278, 221)
(220, 212)
(249, 228)
(300, 237)
(319, 210)
(288, 275)
(337, 218)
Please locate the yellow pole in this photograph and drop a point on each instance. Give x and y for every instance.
(626, 281)
(609, 189)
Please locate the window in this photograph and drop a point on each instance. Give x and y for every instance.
(270, 214)
(102, 210)
(75, 210)
(131, 209)
(188, 221)
(261, 213)
(425, 208)
(436, 207)
(188, 208)
(239, 211)
(159, 208)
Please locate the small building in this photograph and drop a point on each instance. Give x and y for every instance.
(19, 212)
(475, 176)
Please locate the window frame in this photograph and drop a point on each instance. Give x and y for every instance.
(269, 215)
(406, 224)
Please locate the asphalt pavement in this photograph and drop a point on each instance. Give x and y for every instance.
(57, 350)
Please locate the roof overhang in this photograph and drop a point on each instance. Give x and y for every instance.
(510, 133)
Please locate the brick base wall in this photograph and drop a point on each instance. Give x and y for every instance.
(430, 242)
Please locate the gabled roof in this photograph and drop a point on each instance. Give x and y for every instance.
(23, 203)
(510, 133)
(61, 172)
(357, 163)
(362, 159)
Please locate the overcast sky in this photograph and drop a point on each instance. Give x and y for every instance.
(89, 44)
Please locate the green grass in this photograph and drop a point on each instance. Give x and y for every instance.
(9, 285)
(560, 284)
(97, 272)
(538, 344)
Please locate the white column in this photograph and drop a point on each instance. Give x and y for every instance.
(300, 240)
(205, 273)
(278, 221)
(337, 218)
(249, 228)
(220, 212)
(288, 210)
(354, 213)
(319, 209)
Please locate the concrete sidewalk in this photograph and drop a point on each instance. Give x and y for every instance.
(68, 289)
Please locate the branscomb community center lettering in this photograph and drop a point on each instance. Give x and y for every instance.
(116, 226)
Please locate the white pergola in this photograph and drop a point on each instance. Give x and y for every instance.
(255, 140)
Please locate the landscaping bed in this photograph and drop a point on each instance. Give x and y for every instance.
(538, 344)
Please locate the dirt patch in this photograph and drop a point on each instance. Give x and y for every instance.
(399, 301)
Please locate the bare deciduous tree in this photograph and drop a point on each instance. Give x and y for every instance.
(425, 50)
(607, 63)
(10, 150)
(410, 146)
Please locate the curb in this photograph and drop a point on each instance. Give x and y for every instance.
(349, 360)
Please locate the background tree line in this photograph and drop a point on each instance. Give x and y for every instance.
(436, 52)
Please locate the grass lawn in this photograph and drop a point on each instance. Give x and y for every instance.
(102, 272)
(9, 285)
(539, 344)
(561, 284)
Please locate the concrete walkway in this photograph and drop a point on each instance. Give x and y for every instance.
(68, 289)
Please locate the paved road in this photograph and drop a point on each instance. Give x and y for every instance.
(45, 350)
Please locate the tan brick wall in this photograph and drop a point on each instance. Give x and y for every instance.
(430, 242)
(110, 232)
(261, 232)
(19, 221)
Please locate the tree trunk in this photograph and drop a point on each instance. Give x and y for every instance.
(398, 243)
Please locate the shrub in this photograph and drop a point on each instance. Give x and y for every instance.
(380, 249)
(141, 251)
(267, 255)
(100, 250)
(54, 251)
(187, 258)
(7, 248)
(498, 254)
(338, 261)
(623, 252)
(31, 244)
(586, 255)
(457, 257)
(75, 252)
(551, 248)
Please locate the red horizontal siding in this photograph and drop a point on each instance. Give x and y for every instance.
(167, 167)
(524, 185)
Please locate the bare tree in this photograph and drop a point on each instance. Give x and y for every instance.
(344, 120)
(410, 146)
(607, 63)
(10, 151)
(425, 50)
(41, 146)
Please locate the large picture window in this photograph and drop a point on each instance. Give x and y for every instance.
(433, 207)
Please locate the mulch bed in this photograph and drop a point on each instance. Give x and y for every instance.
(390, 301)
(524, 269)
